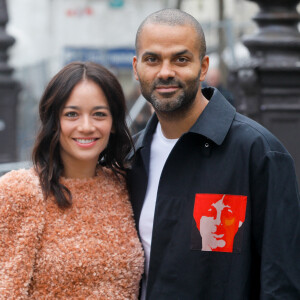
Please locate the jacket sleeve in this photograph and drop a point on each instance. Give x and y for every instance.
(21, 223)
(276, 225)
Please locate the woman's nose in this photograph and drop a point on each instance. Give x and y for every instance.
(86, 125)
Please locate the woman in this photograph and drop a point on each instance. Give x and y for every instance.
(66, 225)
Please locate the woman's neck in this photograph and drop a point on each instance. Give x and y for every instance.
(79, 170)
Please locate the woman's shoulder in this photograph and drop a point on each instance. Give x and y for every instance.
(19, 179)
(20, 186)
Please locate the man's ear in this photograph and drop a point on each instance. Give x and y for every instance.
(204, 67)
(134, 66)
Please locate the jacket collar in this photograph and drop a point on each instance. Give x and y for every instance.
(145, 136)
(216, 119)
(213, 123)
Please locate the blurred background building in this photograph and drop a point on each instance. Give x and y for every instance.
(51, 33)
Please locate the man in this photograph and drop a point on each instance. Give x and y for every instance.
(196, 150)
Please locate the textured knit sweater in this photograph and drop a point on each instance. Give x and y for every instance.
(88, 251)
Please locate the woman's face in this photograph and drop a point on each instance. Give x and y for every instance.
(86, 124)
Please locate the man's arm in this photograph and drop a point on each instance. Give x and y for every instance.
(276, 226)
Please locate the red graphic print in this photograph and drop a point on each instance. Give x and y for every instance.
(218, 218)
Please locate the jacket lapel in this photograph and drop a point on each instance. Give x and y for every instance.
(138, 174)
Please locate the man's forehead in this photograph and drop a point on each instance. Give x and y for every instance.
(153, 37)
(152, 28)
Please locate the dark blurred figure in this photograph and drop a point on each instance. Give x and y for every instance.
(141, 120)
(213, 78)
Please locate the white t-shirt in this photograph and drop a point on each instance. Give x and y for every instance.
(160, 150)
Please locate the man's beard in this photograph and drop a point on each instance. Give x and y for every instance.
(180, 101)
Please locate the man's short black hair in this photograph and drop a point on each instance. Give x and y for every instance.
(173, 17)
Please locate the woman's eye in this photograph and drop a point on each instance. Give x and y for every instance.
(100, 114)
(71, 114)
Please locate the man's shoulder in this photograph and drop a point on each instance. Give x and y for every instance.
(251, 132)
(137, 141)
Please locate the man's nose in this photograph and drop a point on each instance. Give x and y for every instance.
(166, 71)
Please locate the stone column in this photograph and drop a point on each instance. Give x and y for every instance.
(9, 89)
(267, 87)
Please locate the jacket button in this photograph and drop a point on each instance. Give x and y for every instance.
(206, 145)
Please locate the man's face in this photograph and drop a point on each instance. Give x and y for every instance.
(168, 66)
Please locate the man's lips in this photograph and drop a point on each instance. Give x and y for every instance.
(166, 88)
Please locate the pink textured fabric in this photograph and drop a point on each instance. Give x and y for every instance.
(89, 251)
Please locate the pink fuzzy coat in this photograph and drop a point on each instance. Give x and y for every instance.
(89, 251)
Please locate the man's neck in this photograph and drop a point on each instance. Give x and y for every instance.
(175, 125)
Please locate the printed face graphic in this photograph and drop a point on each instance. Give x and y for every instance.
(218, 218)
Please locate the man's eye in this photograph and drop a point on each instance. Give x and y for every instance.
(182, 59)
(151, 59)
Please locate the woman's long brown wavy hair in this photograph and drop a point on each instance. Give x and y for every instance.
(46, 152)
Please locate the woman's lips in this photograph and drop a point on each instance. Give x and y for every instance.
(85, 142)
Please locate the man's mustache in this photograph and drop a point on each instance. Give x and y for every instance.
(168, 82)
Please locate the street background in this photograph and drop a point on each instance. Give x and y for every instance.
(51, 33)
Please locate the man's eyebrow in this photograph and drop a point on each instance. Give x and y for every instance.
(183, 52)
(149, 53)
